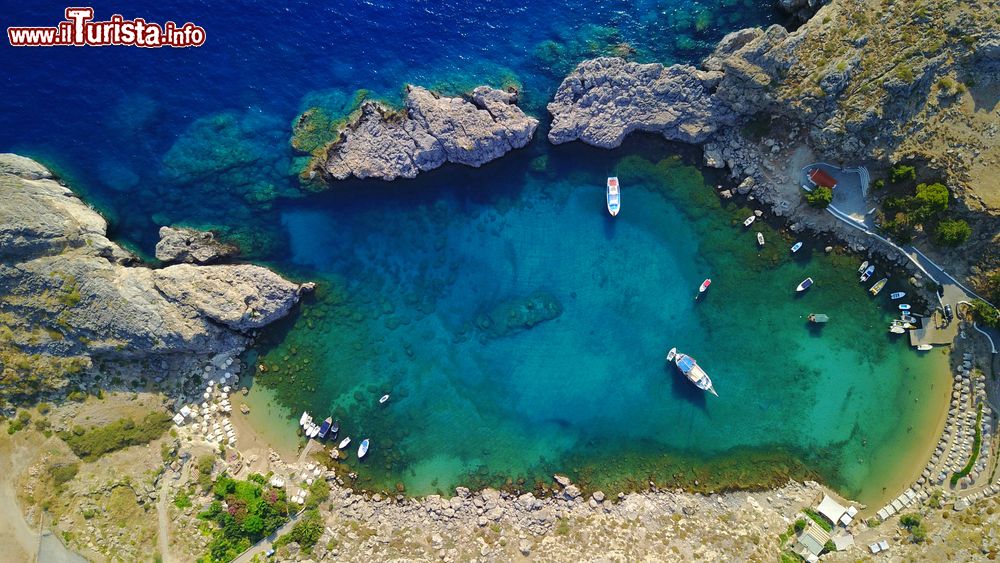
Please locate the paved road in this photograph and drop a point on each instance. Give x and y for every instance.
(265, 544)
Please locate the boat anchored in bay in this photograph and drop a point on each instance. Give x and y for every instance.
(704, 286)
(690, 368)
(614, 196)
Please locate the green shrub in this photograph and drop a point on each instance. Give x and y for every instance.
(902, 172)
(182, 500)
(91, 444)
(904, 72)
(818, 519)
(63, 473)
(879, 184)
(829, 546)
(985, 313)
(908, 521)
(800, 525)
(977, 443)
(305, 532)
(820, 197)
(932, 199)
(952, 232)
(252, 512)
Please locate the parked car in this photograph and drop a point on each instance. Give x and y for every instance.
(947, 312)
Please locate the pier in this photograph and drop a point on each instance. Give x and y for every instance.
(936, 330)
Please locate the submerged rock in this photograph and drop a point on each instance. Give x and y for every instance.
(178, 244)
(70, 296)
(429, 131)
(518, 314)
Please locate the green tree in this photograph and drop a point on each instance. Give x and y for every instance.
(901, 172)
(986, 313)
(820, 197)
(932, 198)
(253, 526)
(952, 232)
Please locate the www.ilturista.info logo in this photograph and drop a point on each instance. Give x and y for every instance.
(79, 29)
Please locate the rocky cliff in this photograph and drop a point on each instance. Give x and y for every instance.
(69, 296)
(379, 142)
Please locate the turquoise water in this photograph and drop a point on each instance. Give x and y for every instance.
(519, 329)
(418, 285)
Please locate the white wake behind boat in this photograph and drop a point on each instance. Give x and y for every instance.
(363, 448)
(614, 196)
(690, 368)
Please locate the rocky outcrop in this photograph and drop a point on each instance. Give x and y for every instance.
(517, 314)
(429, 131)
(605, 99)
(178, 244)
(69, 296)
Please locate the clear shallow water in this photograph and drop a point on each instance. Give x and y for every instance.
(417, 274)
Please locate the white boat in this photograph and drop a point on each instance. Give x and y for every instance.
(343, 443)
(304, 418)
(904, 307)
(875, 289)
(924, 347)
(818, 318)
(704, 286)
(897, 295)
(383, 399)
(749, 220)
(363, 448)
(690, 368)
(863, 266)
(806, 284)
(312, 431)
(868, 273)
(614, 196)
(896, 328)
(796, 247)
(760, 238)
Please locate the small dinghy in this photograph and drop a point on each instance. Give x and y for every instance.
(749, 220)
(363, 448)
(924, 347)
(760, 238)
(383, 399)
(796, 247)
(878, 286)
(904, 307)
(704, 286)
(897, 295)
(806, 284)
(863, 266)
(614, 196)
(818, 318)
(343, 443)
(868, 273)
(335, 428)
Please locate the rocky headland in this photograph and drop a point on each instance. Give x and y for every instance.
(863, 82)
(70, 299)
(382, 142)
(183, 245)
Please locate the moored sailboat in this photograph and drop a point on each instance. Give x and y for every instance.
(690, 368)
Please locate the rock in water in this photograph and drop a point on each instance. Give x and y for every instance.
(70, 296)
(178, 244)
(431, 130)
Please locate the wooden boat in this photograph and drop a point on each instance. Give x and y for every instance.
(806, 284)
(690, 368)
(796, 247)
(924, 347)
(614, 196)
(324, 428)
(904, 307)
(363, 448)
(760, 238)
(383, 399)
(818, 318)
(863, 266)
(343, 443)
(704, 286)
(875, 289)
(749, 220)
(868, 273)
(897, 295)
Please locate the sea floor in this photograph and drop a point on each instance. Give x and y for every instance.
(521, 331)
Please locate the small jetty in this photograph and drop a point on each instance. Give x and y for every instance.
(935, 331)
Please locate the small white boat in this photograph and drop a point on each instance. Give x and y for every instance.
(614, 196)
(363, 448)
(382, 400)
(760, 238)
(924, 347)
(897, 295)
(796, 247)
(904, 307)
(896, 328)
(313, 430)
(868, 273)
(863, 266)
(749, 220)
(818, 318)
(875, 289)
(806, 284)
(704, 286)
(304, 418)
(343, 443)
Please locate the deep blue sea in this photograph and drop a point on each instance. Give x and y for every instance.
(414, 274)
